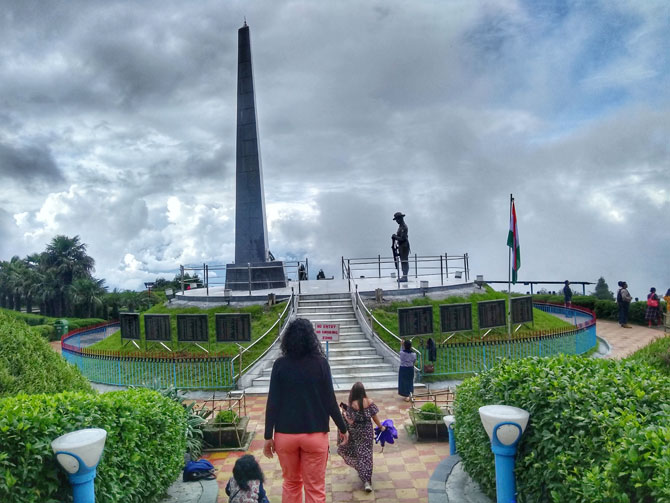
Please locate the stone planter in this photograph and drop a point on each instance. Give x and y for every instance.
(226, 434)
(428, 429)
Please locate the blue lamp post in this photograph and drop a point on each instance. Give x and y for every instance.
(79, 453)
(449, 422)
(504, 425)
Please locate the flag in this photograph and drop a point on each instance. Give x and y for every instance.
(513, 243)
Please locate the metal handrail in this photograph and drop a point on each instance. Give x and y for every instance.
(289, 303)
(359, 302)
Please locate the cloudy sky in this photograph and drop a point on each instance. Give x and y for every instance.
(117, 124)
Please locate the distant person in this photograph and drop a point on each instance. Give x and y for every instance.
(567, 294)
(302, 273)
(653, 312)
(667, 300)
(246, 484)
(320, 274)
(357, 453)
(406, 370)
(400, 241)
(300, 403)
(623, 300)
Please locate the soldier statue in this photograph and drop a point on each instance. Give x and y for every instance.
(400, 246)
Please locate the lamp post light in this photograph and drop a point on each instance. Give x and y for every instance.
(449, 422)
(504, 425)
(79, 453)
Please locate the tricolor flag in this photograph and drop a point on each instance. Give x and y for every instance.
(513, 243)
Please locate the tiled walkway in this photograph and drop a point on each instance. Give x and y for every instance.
(400, 473)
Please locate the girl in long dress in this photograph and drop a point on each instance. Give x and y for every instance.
(359, 414)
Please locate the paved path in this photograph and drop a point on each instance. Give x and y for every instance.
(625, 341)
(400, 473)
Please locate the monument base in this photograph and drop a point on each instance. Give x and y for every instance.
(262, 275)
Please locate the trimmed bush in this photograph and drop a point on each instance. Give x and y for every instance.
(29, 365)
(656, 355)
(430, 412)
(581, 412)
(143, 455)
(47, 332)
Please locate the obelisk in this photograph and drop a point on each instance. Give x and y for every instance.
(251, 234)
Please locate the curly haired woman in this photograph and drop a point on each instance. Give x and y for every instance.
(300, 403)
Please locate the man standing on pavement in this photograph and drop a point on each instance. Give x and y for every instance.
(623, 299)
(567, 294)
(401, 239)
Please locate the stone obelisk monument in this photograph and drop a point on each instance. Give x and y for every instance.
(251, 233)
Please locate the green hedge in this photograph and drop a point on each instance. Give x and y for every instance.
(582, 412)
(143, 455)
(656, 355)
(38, 319)
(29, 365)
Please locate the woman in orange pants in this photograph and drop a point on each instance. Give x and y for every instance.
(300, 403)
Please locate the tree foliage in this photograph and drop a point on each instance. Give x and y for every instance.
(59, 280)
(602, 291)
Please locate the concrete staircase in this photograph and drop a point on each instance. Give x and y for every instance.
(351, 359)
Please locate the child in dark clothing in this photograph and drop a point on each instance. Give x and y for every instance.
(246, 484)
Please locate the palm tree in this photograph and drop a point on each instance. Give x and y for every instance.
(5, 287)
(68, 258)
(87, 293)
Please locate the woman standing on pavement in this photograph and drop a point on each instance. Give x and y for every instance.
(406, 370)
(357, 453)
(300, 403)
(653, 312)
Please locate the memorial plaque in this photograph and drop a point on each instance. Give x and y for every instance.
(130, 325)
(522, 309)
(157, 327)
(456, 317)
(233, 327)
(415, 321)
(192, 328)
(492, 313)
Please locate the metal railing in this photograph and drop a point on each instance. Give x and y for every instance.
(369, 318)
(459, 358)
(215, 274)
(160, 370)
(444, 266)
(154, 370)
(291, 308)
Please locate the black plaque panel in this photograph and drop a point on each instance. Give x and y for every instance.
(415, 321)
(456, 317)
(233, 327)
(130, 325)
(492, 313)
(522, 309)
(157, 327)
(192, 328)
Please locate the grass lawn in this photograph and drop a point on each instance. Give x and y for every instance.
(262, 318)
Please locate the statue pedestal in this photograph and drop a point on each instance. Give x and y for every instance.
(262, 275)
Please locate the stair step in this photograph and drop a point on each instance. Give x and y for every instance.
(357, 368)
(342, 387)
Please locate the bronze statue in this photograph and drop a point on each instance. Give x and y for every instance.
(400, 246)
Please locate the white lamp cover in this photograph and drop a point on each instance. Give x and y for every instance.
(87, 444)
(449, 420)
(495, 414)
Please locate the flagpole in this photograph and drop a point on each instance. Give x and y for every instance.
(509, 276)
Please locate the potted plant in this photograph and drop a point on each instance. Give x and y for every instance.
(428, 422)
(226, 430)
